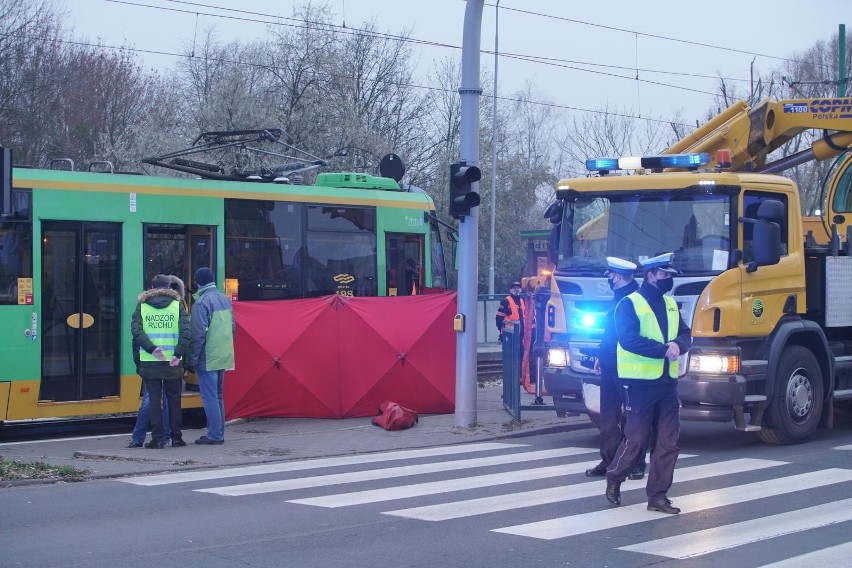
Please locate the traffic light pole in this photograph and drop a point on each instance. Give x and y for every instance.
(470, 92)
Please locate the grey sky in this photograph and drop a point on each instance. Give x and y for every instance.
(774, 29)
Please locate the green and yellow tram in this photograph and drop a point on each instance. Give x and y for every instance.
(76, 248)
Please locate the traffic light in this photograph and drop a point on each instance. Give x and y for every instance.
(462, 199)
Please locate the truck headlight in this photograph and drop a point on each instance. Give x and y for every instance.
(714, 363)
(558, 357)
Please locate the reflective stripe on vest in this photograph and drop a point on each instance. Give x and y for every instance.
(633, 366)
(161, 327)
(514, 315)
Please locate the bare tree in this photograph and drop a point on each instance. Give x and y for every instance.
(30, 51)
(608, 132)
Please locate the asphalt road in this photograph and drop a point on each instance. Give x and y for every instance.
(523, 502)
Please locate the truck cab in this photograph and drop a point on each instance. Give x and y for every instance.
(749, 287)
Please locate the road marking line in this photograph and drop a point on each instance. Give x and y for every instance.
(498, 503)
(445, 486)
(279, 467)
(833, 556)
(388, 473)
(622, 516)
(724, 537)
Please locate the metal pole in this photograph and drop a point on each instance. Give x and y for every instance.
(493, 157)
(841, 44)
(470, 92)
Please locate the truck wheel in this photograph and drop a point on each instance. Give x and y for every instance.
(796, 405)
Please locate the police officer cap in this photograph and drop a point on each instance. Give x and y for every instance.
(515, 284)
(619, 266)
(662, 262)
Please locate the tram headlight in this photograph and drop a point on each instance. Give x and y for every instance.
(558, 357)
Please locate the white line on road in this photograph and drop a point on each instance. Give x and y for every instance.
(737, 534)
(448, 486)
(279, 467)
(833, 556)
(497, 503)
(622, 516)
(388, 473)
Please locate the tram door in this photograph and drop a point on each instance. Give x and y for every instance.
(80, 299)
(404, 257)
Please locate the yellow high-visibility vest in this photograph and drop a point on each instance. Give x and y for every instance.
(161, 327)
(634, 366)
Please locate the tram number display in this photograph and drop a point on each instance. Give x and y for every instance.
(345, 284)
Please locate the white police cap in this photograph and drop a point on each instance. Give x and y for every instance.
(619, 265)
(662, 262)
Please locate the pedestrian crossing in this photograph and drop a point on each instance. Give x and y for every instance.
(519, 478)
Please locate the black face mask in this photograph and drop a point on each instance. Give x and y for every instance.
(665, 284)
(611, 283)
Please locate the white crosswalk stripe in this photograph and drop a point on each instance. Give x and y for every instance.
(388, 473)
(448, 486)
(737, 534)
(622, 516)
(484, 505)
(281, 467)
(832, 556)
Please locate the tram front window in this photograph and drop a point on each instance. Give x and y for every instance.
(16, 245)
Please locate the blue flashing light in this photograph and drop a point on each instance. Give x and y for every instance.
(688, 161)
(601, 164)
(676, 161)
(590, 321)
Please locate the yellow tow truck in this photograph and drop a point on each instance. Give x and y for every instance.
(766, 292)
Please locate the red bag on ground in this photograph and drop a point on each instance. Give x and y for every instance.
(395, 417)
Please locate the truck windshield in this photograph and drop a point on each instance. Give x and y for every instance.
(695, 226)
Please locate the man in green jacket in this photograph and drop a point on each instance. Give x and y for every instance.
(161, 334)
(212, 351)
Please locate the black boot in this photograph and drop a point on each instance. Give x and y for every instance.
(613, 492)
(663, 505)
(597, 471)
(638, 472)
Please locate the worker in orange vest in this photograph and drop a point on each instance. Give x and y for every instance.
(512, 309)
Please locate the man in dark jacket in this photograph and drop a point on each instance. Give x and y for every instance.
(651, 336)
(212, 353)
(160, 329)
(619, 274)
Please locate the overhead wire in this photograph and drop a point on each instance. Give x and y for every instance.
(273, 19)
(550, 61)
(328, 75)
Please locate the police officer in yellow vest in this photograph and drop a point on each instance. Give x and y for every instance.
(651, 336)
(161, 333)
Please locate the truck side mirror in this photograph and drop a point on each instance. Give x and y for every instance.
(767, 244)
(554, 212)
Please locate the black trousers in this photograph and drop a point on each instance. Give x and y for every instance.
(611, 423)
(171, 387)
(648, 404)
